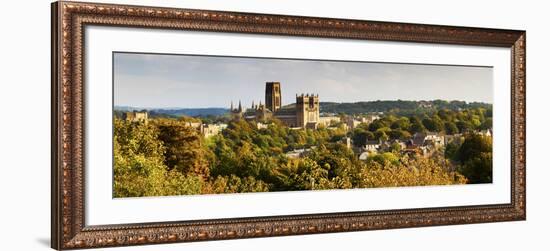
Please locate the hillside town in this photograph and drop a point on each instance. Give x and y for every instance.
(421, 143)
(305, 114)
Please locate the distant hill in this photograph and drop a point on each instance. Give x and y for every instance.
(192, 112)
(395, 106)
(398, 106)
(177, 112)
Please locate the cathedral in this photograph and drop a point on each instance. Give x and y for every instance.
(304, 114)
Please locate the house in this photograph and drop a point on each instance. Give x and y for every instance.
(260, 125)
(434, 139)
(417, 140)
(424, 144)
(426, 139)
(209, 130)
(372, 146)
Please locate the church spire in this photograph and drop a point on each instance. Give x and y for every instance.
(231, 105)
(240, 106)
(252, 104)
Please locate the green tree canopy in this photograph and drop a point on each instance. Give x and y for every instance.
(451, 128)
(476, 157)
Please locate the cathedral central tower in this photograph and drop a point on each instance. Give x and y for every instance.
(307, 110)
(273, 96)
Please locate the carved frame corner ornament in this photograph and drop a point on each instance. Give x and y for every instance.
(68, 226)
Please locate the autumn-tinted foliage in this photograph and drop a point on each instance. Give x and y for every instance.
(183, 147)
(139, 164)
(168, 156)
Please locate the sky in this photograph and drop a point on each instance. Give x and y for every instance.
(186, 81)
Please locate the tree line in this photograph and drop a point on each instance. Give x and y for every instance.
(400, 107)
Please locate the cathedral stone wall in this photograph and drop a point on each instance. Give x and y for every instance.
(305, 114)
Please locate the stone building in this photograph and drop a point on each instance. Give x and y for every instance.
(207, 130)
(273, 96)
(304, 114)
(307, 111)
(236, 113)
(136, 116)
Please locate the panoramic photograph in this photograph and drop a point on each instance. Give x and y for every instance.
(193, 124)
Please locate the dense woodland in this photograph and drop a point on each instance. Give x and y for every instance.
(166, 156)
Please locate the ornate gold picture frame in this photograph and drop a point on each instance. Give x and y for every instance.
(69, 228)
